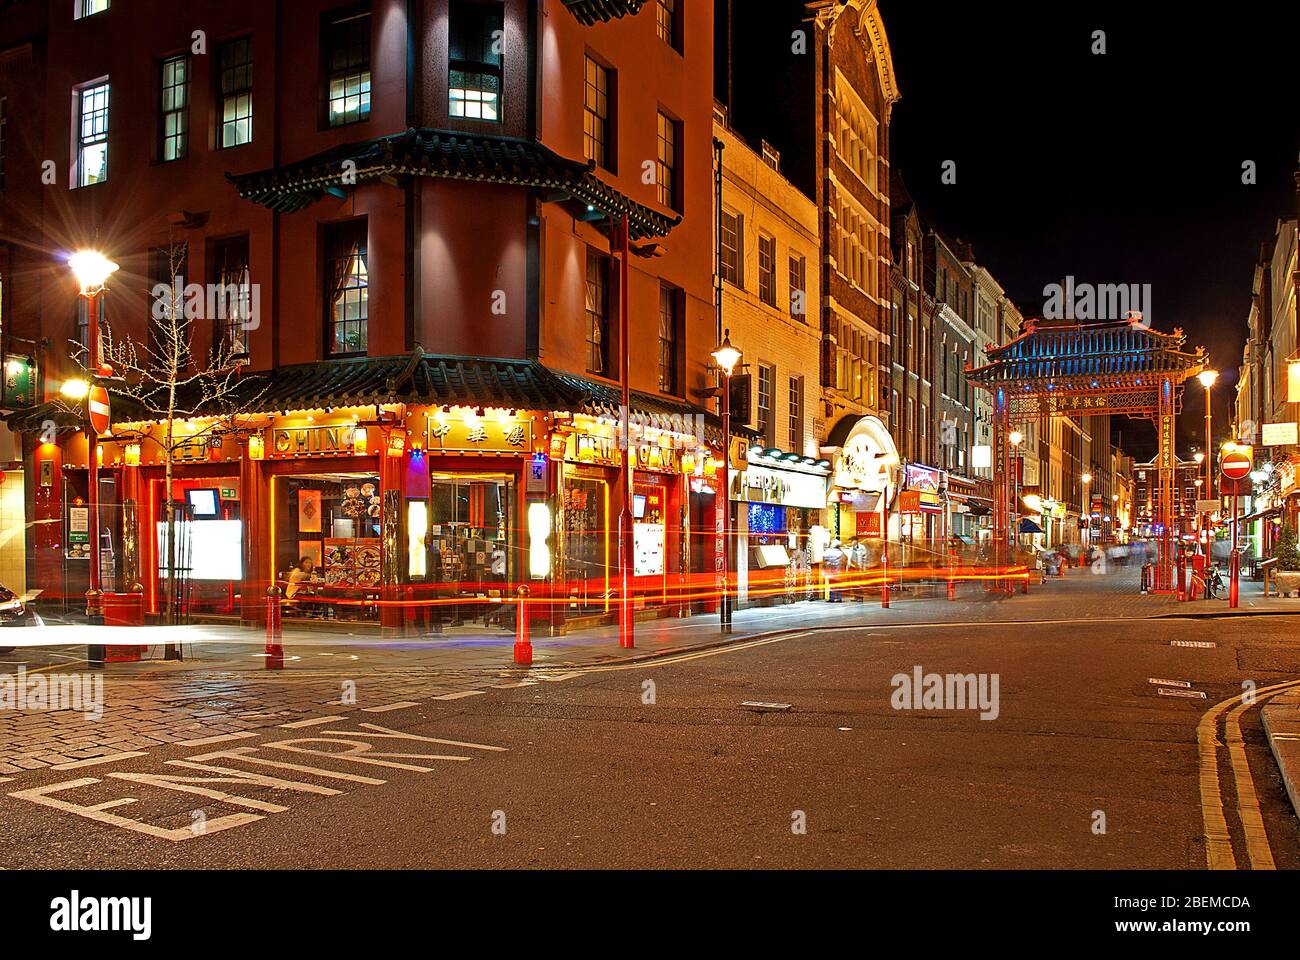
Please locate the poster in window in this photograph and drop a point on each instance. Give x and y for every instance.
(309, 511)
(311, 548)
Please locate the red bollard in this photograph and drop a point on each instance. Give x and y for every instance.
(1182, 576)
(884, 571)
(274, 649)
(523, 641)
(1234, 575)
(952, 584)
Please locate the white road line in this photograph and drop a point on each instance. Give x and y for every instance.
(223, 738)
(392, 706)
(311, 722)
(461, 695)
(513, 686)
(110, 804)
(94, 760)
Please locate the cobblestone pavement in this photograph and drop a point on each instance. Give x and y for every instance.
(222, 688)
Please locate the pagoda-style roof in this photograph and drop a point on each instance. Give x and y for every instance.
(589, 12)
(414, 378)
(1065, 355)
(454, 155)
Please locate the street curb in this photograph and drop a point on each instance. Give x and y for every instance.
(1281, 719)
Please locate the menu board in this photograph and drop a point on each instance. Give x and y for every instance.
(352, 562)
(648, 549)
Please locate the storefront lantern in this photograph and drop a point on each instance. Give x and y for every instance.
(396, 444)
(359, 440)
(132, 455)
(256, 447)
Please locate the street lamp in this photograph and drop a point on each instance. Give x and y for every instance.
(1084, 480)
(1207, 378)
(74, 389)
(92, 270)
(726, 357)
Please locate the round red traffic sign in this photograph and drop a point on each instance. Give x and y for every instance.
(100, 413)
(1235, 464)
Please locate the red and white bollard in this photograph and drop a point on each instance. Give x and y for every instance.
(274, 648)
(1234, 575)
(523, 640)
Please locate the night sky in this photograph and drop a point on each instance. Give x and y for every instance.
(1122, 168)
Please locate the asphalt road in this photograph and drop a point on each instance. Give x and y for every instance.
(592, 775)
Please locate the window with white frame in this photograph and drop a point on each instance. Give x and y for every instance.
(732, 239)
(766, 388)
(92, 134)
(174, 120)
(236, 64)
(767, 269)
(88, 8)
(346, 53)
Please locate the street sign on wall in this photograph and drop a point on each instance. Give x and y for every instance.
(1278, 434)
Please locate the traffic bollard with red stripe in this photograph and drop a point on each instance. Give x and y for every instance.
(523, 639)
(274, 648)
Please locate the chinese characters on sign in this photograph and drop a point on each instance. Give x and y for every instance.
(486, 434)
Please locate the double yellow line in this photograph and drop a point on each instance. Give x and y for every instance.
(1218, 843)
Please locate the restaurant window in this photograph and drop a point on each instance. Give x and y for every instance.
(346, 56)
(92, 134)
(174, 106)
(234, 314)
(732, 239)
(597, 114)
(472, 552)
(666, 163)
(766, 384)
(236, 65)
(88, 8)
(668, 327)
(798, 287)
(348, 288)
(767, 269)
(796, 414)
(586, 557)
(334, 521)
(597, 310)
(82, 334)
(475, 40)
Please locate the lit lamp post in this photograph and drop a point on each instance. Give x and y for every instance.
(1084, 480)
(1207, 378)
(92, 270)
(726, 357)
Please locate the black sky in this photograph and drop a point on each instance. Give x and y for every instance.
(1119, 168)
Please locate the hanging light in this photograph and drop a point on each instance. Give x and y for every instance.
(131, 455)
(726, 356)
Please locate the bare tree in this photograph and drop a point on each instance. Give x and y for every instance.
(168, 381)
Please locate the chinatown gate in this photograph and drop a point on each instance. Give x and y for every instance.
(1070, 369)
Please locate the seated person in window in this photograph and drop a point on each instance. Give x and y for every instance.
(302, 573)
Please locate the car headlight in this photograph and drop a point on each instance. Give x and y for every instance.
(11, 606)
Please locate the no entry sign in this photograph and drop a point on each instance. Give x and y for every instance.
(1235, 464)
(100, 412)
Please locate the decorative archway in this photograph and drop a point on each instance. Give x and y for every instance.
(1063, 368)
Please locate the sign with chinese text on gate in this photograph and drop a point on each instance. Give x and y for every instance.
(97, 406)
(1236, 464)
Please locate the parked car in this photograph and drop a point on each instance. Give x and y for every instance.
(14, 613)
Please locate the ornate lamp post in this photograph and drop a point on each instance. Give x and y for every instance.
(1084, 531)
(92, 270)
(726, 357)
(1207, 378)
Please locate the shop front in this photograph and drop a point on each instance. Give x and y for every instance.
(670, 474)
(779, 498)
(861, 502)
(923, 513)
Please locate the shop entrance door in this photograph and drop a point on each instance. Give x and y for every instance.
(472, 544)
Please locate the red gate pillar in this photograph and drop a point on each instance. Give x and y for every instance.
(1166, 466)
(1001, 493)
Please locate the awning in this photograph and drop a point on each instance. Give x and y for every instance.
(1258, 515)
(589, 12)
(1028, 526)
